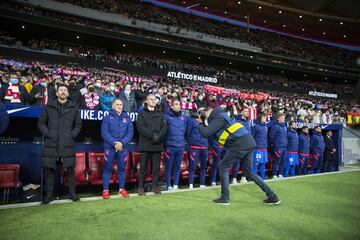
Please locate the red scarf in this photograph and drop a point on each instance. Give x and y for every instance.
(13, 93)
(91, 100)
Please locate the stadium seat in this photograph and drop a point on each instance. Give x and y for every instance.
(184, 169)
(81, 177)
(9, 178)
(96, 166)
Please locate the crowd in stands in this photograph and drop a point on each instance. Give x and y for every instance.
(269, 42)
(92, 88)
(181, 41)
(163, 63)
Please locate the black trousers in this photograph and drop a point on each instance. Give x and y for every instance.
(50, 180)
(154, 158)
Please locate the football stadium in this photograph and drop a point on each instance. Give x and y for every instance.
(169, 119)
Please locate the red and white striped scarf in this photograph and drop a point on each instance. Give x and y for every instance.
(91, 100)
(13, 93)
(45, 97)
(188, 106)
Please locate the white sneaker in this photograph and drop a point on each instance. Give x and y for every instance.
(202, 186)
(281, 176)
(243, 180)
(213, 184)
(191, 186)
(234, 181)
(176, 187)
(170, 188)
(274, 177)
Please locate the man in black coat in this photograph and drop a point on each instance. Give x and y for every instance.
(330, 151)
(60, 123)
(152, 129)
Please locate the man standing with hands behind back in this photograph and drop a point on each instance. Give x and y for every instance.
(60, 123)
(152, 129)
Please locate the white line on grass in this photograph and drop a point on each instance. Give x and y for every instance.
(116, 196)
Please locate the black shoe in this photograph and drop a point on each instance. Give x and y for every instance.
(156, 190)
(221, 201)
(141, 192)
(74, 198)
(47, 200)
(274, 200)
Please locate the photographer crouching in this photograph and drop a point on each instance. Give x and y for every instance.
(239, 145)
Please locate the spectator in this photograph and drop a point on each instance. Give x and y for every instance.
(128, 99)
(74, 92)
(39, 93)
(108, 96)
(14, 93)
(91, 100)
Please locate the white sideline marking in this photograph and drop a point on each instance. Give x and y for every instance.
(116, 196)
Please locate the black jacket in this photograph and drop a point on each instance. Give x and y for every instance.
(329, 146)
(59, 124)
(37, 101)
(216, 122)
(75, 96)
(151, 126)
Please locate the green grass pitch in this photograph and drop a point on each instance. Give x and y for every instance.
(318, 207)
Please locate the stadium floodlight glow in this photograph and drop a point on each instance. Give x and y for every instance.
(164, 51)
(205, 7)
(260, 7)
(239, 2)
(324, 33)
(124, 45)
(344, 36)
(245, 17)
(264, 21)
(303, 29)
(77, 37)
(284, 25)
(225, 12)
(230, 63)
(341, 23)
(320, 19)
(23, 27)
(199, 57)
(300, 16)
(70, 49)
(280, 12)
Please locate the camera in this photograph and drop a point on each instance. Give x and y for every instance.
(201, 114)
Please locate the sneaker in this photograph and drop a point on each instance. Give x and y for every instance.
(106, 194)
(274, 177)
(221, 201)
(176, 187)
(123, 193)
(213, 184)
(156, 190)
(274, 200)
(202, 186)
(141, 192)
(170, 188)
(281, 176)
(243, 180)
(191, 186)
(74, 198)
(234, 181)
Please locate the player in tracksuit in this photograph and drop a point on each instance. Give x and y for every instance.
(292, 158)
(317, 147)
(304, 150)
(239, 144)
(198, 151)
(259, 132)
(117, 131)
(174, 143)
(218, 153)
(243, 119)
(278, 141)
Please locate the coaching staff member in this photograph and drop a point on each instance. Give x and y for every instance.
(151, 126)
(239, 145)
(60, 123)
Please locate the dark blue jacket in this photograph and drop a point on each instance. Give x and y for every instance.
(317, 144)
(193, 135)
(244, 122)
(176, 129)
(115, 128)
(278, 136)
(293, 140)
(4, 118)
(259, 132)
(304, 143)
